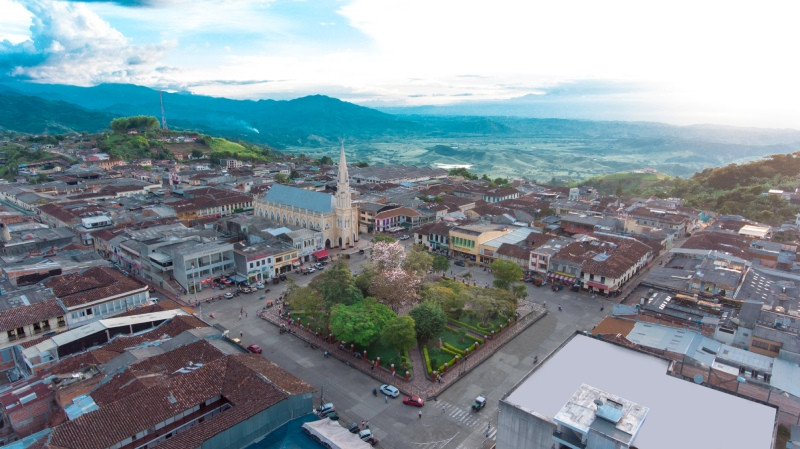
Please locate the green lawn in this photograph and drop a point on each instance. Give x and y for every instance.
(493, 323)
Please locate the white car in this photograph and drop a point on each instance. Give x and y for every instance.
(259, 285)
(390, 390)
(311, 270)
(228, 295)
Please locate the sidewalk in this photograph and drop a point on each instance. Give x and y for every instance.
(418, 384)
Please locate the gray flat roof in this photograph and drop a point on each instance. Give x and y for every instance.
(682, 414)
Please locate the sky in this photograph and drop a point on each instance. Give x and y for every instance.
(684, 62)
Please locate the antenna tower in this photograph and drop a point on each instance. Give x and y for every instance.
(163, 116)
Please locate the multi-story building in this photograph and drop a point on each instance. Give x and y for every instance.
(335, 216)
(466, 241)
(196, 263)
(97, 293)
(568, 402)
(541, 255)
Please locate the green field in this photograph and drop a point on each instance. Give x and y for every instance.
(539, 159)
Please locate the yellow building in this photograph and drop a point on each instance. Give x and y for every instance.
(466, 241)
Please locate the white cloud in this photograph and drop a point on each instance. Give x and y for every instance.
(74, 45)
(15, 22)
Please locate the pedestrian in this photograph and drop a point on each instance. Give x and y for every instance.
(602, 308)
(420, 414)
(487, 434)
(363, 424)
(367, 424)
(385, 399)
(245, 314)
(372, 367)
(241, 334)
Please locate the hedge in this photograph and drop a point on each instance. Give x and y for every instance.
(459, 352)
(471, 327)
(452, 352)
(427, 360)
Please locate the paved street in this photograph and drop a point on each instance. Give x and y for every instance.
(447, 422)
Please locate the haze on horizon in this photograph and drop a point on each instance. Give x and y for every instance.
(681, 62)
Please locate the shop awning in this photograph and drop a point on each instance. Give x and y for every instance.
(321, 254)
(238, 278)
(561, 277)
(597, 285)
(296, 262)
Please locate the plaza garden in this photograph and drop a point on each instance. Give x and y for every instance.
(402, 302)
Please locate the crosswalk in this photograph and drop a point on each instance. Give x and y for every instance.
(459, 413)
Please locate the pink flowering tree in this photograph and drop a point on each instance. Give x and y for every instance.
(396, 288)
(387, 256)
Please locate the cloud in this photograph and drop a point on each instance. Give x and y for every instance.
(71, 44)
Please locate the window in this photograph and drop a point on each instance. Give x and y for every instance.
(61, 321)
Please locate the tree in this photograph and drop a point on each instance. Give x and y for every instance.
(463, 172)
(361, 164)
(418, 262)
(305, 300)
(361, 322)
(520, 291)
(337, 286)
(440, 263)
(396, 288)
(364, 280)
(294, 174)
(325, 160)
(197, 154)
(429, 320)
(448, 294)
(387, 256)
(280, 178)
(400, 333)
(383, 238)
(505, 272)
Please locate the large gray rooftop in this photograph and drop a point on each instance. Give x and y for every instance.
(300, 198)
(682, 414)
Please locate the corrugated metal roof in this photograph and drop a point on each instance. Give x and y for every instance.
(300, 198)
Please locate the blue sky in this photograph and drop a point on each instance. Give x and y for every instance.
(679, 61)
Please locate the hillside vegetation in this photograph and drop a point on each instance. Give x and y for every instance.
(736, 189)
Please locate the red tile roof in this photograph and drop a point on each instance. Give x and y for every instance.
(248, 382)
(24, 315)
(92, 285)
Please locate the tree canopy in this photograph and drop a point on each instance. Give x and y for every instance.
(400, 333)
(361, 322)
(429, 320)
(337, 286)
(440, 263)
(139, 123)
(505, 273)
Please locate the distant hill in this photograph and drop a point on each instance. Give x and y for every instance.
(735, 189)
(534, 148)
(39, 116)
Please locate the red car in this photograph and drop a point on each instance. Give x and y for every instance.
(416, 401)
(255, 349)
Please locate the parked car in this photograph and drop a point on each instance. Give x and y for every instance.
(311, 270)
(255, 349)
(361, 251)
(366, 435)
(324, 409)
(460, 263)
(390, 390)
(405, 237)
(416, 401)
(228, 295)
(480, 402)
(237, 341)
(282, 277)
(353, 427)
(333, 416)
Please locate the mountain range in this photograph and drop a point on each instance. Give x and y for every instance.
(497, 142)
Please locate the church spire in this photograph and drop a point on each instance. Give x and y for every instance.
(343, 183)
(344, 177)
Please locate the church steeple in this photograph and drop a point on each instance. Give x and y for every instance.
(343, 183)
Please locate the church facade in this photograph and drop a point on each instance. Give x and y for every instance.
(334, 215)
